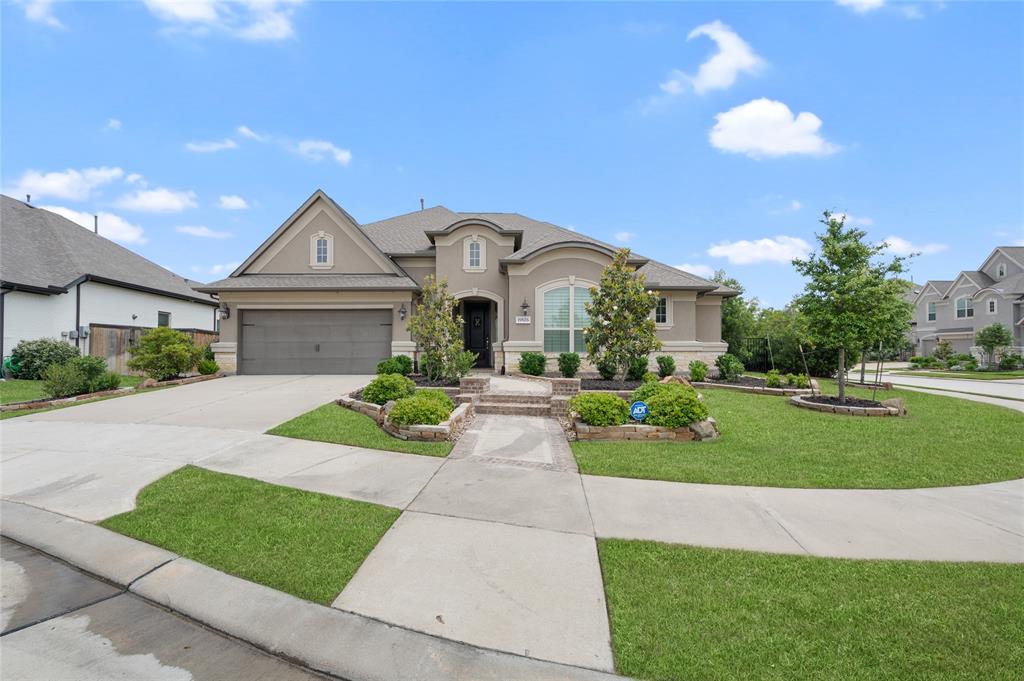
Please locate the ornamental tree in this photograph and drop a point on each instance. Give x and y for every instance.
(437, 330)
(621, 324)
(991, 338)
(851, 300)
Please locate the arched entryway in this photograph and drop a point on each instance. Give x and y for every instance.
(483, 323)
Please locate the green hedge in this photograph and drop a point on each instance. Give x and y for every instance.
(600, 409)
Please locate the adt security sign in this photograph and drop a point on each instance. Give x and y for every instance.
(638, 410)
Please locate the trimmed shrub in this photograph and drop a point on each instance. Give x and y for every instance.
(607, 370)
(802, 381)
(675, 408)
(387, 387)
(698, 370)
(108, 380)
(208, 353)
(637, 368)
(399, 364)
(164, 353)
(532, 363)
(666, 365)
(435, 394)
(418, 411)
(773, 379)
(463, 362)
(207, 367)
(64, 380)
(943, 349)
(650, 377)
(92, 369)
(1009, 362)
(649, 390)
(32, 357)
(568, 364)
(729, 368)
(600, 409)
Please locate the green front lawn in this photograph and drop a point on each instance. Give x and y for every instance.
(681, 612)
(767, 441)
(18, 390)
(972, 375)
(306, 544)
(336, 424)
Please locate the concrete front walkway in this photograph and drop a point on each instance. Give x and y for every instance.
(496, 545)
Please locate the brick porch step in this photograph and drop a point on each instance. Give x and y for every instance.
(512, 408)
(515, 398)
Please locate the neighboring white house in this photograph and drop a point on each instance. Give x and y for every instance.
(57, 278)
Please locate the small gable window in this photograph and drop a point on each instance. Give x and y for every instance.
(964, 308)
(1001, 270)
(321, 251)
(474, 254)
(992, 306)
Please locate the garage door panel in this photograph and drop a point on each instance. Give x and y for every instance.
(313, 341)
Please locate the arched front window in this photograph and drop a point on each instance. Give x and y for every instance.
(321, 251)
(474, 254)
(565, 317)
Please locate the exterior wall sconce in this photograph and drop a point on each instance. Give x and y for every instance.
(525, 307)
(224, 313)
(402, 312)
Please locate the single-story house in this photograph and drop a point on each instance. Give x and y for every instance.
(324, 294)
(58, 279)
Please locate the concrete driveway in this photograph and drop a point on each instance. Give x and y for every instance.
(251, 403)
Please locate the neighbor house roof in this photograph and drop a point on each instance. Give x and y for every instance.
(272, 282)
(43, 252)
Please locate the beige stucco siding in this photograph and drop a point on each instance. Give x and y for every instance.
(418, 274)
(449, 259)
(299, 300)
(292, 254)
(709, 319)
(525, 279)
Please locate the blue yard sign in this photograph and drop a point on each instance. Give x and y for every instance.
(638, 410)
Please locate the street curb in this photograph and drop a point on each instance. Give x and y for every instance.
(114, 557)
(321, 638)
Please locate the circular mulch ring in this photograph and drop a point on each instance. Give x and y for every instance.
(852, 407)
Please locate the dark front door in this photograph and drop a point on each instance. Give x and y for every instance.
(478, 331)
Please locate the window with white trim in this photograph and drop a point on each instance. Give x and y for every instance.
(964, 308)
(1001, 270)
(321, 251)
(661, 311)
(163, 318)
(474, 254)
(992, 306)
(565, 317)
(931, 312)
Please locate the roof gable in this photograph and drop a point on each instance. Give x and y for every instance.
(319, 213)
(1013, 253)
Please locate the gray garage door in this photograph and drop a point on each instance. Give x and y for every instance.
(314, 341)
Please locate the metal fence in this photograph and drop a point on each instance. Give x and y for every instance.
(112, 343)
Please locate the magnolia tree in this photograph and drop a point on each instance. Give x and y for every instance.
(851, 299)
(621, 325)
(437, 330)
(992, 338)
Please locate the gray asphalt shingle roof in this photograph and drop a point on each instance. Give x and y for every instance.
(256, 282)
(41, 249)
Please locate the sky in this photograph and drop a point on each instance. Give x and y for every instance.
(704, 135)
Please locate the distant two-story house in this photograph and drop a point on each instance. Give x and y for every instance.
(956, 309)
(324, 294)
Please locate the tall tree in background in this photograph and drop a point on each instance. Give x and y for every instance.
(851, 300)
(621, 326)
(739, 316)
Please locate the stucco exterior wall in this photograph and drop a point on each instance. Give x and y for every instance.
(28, 316)
(709, 319)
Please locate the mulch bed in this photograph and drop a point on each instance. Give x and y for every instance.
(748, 381)
(834, 401)
(601, 384)
(422, 381)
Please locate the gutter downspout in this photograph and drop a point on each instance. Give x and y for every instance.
(78, 315)
(2, 296)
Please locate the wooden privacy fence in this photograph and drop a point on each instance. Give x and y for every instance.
(112, 343)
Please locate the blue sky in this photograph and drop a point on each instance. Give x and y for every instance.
(710, 135)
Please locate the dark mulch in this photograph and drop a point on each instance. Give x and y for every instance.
(601, 384)
(424, 382)
(748, 381)
(850, 401)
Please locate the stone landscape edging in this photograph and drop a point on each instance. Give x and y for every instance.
(324, 639)
(846, 410)
(445, 430)
(759, 390)
(702, 430)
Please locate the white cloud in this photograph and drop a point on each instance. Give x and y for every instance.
(71, 184)
(911, 12)
(318, 150)
(766, 128)
(705, 271)
(111, 226)
(624, 237)
(135, 178)
(202, 232)
(861, 6)
(41, 12)
(247, 132)
(113, 124)
(226, 268)
(232, 202)
(159, 200)
(734, 56)
(212, 146)
(778, 249)
(795, 205)
(254, 20)
(855, 220)
(900, 246)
